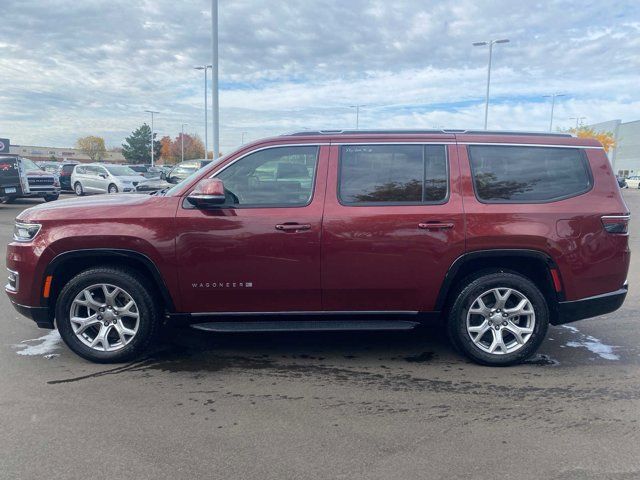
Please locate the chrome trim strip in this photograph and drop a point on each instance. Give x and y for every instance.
(406, 142)
(621, 217)
(530, 145)
(8, 287)
(308, 312)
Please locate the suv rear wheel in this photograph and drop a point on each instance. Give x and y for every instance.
(78, 189)
(107, 315)
(499, 319)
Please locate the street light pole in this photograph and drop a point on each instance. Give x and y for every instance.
(578, 121)
(152, 112)
(491, 43)
(215, 109)
(553, 104)
(182, 143)
(242, 141)
(357, 107)
(206, 121)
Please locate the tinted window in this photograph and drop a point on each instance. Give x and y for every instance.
(80, 170)
(528, 174)
(393, 174)
(282, 176)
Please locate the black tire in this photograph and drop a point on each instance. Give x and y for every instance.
(136, 287)
(8, 199)
(113, 188)
(51, 198)
(77, 187)
(475, 286)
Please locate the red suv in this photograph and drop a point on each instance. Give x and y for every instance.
(497, 234)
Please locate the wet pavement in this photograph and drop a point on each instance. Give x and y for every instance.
(321, 405)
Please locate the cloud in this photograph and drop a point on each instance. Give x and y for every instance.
(73, 68)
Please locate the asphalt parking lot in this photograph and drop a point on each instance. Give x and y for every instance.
(320, 406)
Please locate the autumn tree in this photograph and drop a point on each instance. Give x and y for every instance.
(137, 146)
(166, 150)
(607, 139)
(193, 147)
(92, 146)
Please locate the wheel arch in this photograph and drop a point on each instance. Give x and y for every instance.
(66, 265)
(532, 264)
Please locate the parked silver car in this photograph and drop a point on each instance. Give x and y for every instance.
(104, 178)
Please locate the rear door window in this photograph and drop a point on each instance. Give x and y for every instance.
(528, 174)
(392, 174)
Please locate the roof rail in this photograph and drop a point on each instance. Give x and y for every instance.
(423, 132)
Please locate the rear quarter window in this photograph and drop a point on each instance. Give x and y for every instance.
(514, 174)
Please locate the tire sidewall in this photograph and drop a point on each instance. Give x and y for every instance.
(112, 187)
(458, 317)
(78, 186)
(133, 287)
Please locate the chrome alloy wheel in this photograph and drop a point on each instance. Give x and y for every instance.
(501, 321)
(104, 317)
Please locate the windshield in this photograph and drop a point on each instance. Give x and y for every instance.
(120, 170)
(29, 164)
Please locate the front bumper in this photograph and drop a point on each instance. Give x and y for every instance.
(591, 306)
(40, 315)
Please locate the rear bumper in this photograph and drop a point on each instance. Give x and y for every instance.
(40, 315)
(591, 306)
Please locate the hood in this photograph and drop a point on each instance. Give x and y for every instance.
(38, 173)
(105, 206)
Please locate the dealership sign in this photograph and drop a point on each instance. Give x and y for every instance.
(4, 145)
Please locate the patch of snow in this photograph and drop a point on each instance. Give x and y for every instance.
(592, 344)
(45, 345)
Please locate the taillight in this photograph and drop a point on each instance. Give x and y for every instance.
(616, 223)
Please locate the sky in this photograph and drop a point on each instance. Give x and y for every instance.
(92, 67)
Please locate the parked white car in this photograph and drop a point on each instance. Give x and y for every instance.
(633, 181)
(104, 178)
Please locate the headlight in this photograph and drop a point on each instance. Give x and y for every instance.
(25, 232)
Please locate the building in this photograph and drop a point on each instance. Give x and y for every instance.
(625, 156)
(54, 153)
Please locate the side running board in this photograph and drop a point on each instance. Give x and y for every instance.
(306, 326)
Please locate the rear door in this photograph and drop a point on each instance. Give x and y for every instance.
(392, 227)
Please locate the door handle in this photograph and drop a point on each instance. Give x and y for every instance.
(435, 225)
(293, 227)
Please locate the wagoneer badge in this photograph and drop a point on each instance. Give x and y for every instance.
(222, 285)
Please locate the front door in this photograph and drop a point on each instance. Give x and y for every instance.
(260, 252)
(393, 225)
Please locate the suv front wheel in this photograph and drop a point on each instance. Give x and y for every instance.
(107, 315)
(498, 319)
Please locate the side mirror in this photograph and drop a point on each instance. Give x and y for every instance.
(208, 193)
(102, 175)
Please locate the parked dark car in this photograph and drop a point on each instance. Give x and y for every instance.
(494, 235)
(622, 182)
(66, 169)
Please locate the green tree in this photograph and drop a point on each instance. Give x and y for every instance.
(137, 146)
(92, 146)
